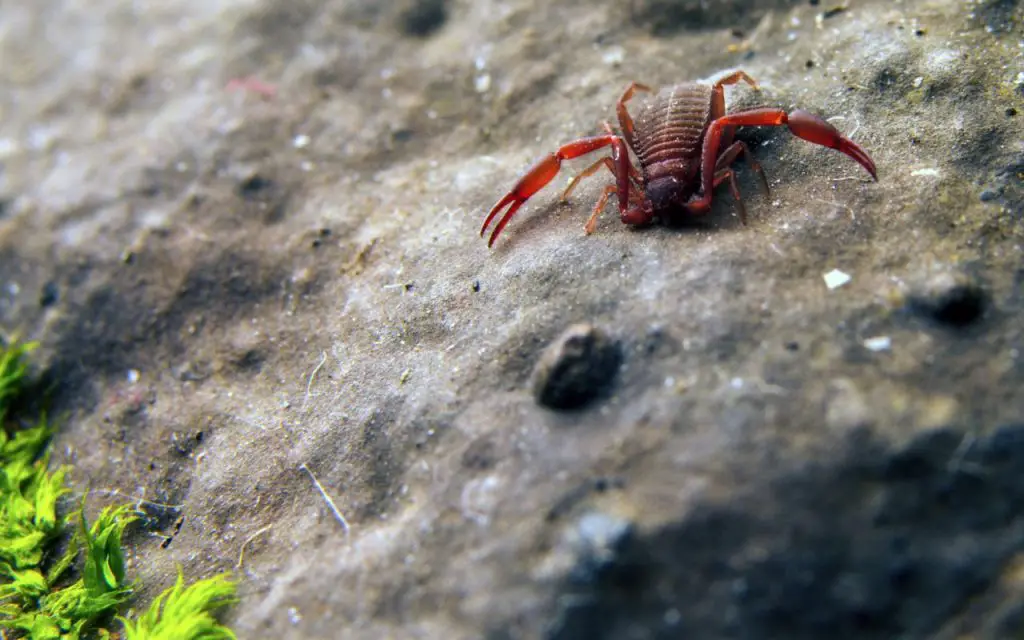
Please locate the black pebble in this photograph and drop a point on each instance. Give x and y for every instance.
(254, 185)
(576, 368)
(424, 17)
(951, 300)
(49, 295)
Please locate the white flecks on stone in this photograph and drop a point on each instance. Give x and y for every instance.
(479, 499)
(133, 376)
(300, 141)
(878, 343)
(8, 147)
(614, 56)
(931, 172)
(942, 61)
(836, 278)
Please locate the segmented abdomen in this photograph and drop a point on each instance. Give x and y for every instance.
(671, 125)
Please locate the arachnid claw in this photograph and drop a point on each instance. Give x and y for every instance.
(813, 129)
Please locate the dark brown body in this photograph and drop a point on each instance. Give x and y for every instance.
(669, 131)
(683, 141)
(667, 138)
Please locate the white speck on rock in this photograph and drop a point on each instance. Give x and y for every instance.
(300, 141)
(133, 376)
(614, 56)
(942, 61)
(929, 171)
(479, 499)
(8, 147)
(836, 278)
(878, 343)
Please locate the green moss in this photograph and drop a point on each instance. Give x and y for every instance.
(36, 599)
(185, 612)
(12, 372)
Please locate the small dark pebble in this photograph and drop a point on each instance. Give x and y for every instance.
(401, 135)
(953, 300)
(988, 195)
(576, 368)
(49, 295)
(476, 286)
(253, 185)
(423, 17)
(792, 346)
(603, 484)
(1010, 112)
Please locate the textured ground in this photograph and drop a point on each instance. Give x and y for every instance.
(246, 233)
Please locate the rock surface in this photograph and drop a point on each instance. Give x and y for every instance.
(246, 234)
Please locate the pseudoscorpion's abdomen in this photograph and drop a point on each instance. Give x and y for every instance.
(671, 124)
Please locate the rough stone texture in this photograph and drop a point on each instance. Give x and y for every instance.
(246, 233)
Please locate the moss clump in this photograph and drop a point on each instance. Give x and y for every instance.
(36, 597)
(12, 372)
(37, 605)
(185, 612)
